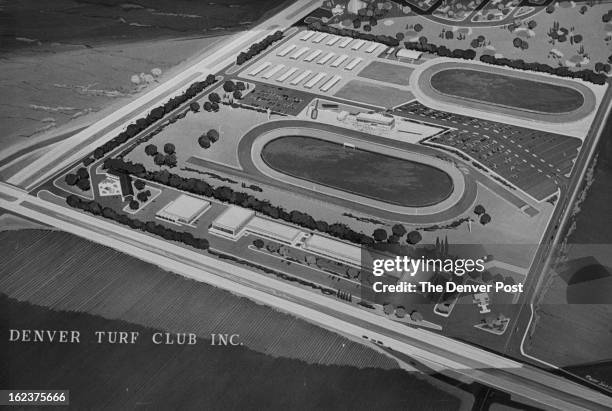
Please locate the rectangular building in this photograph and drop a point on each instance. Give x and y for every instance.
(333, 40)
(299, 53)
(313, 55)
(372, 47)
(339, 60)
(319, 37)
(287, 74)
(313, 81)
(358, 44)
(354, 63)
(273, 71)
(231, 222)
(330, 83)
(286, 50)
(301, 77)
(326, 58)
(345, 42)
(184, 210)
(308, 34)
(334, 249)
(259, 69)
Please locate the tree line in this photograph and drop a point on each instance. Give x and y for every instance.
(389, 41)
(95, 208)
(258, 47)
(154, 115)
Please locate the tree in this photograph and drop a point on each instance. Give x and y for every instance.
(71, 179)
(204, 141)
(400, 312)
(142, 197)
(418, 28)
(485, 219)
(207, 106)
(400, 36)
(170, 160)
(215, 107)
(214, 98)
(159, 159)
(194, 106)
(83, 184)
(213, 135)
(258, 243)
(139, 184)
(532, 24)
(416, 316)
(237, 95)
(388, 308)
(151, 150)
(517, 42)
(229, 86)
(169, 148)
(134, 205)
(414, 237)
(479, 209)
(379, 234)
(240, 86)
(398, 230)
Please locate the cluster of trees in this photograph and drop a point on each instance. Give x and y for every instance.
(208, 138)
(424, 45)
(235, 89)
(154, 115)
(387, 40)
(397, 232)
(97, 209)
(520, 43)
(142, 195)
(167, 158)
(79, 179)
(258, 47)
(480, 211)
(242, 199)
(561, 71)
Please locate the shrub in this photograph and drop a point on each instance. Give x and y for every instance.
(84, 184)
(398, 230)
(151, 150)
(204, 142)
(485, 219)
(213, 135)
(194, 106)
(379, 234)
(479, 209)
(169, 148)
(134, 205)
(139, 184)
(414, 237)
(258, 243)
(71, 179)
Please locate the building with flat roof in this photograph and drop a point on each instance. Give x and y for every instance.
(231, 222)
(279, 232)
(409, 54)
(334, 249)
(183, 210)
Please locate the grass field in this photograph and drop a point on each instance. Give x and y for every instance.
(365, 173)
(390, 73)
(507, 91)
(201, 376)
(374, 94)
(64, 272)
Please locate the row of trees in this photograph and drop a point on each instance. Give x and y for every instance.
(397, 232)
(97, 209)
(469, 54)
(154, 115)
(387, 40)
(258, 47)
(424, 45)
(242, 199)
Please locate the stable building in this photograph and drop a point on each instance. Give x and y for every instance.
(184, 210)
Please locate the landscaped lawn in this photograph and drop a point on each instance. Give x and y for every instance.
(365, 173)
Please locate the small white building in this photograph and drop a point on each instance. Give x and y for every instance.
(409, 54)
(184, 210)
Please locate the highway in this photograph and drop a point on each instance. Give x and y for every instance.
(432, 349)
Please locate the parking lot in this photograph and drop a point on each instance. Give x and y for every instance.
(536, 162)
(315, 62)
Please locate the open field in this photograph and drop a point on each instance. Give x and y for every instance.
(101, 281)
(119, 376)
(389, 73)
(507, 91)
(369, 174)
(373, 94)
